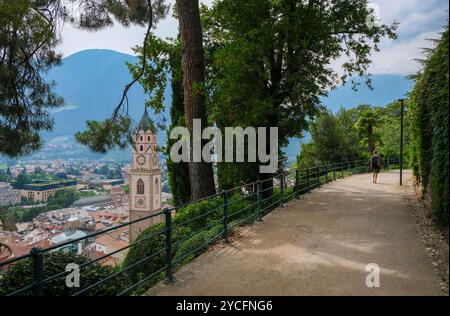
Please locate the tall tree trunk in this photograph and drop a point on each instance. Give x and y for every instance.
(178, 173)
(193, 65)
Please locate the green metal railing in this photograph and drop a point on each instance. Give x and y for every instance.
(263, 196)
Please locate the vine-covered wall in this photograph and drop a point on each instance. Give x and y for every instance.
(428, 112)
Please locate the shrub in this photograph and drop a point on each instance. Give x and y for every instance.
(20, 275)
(196, 245)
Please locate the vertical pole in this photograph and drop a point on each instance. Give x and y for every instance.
(318, 175)
(38, 271)
(282, 188)
(334, 172)
(225, 215)
(348, 168)
(326, 173)
(297, 184)
(307, 178)
(401, 140)
(168, 220)
(258, 200)
(342, 169)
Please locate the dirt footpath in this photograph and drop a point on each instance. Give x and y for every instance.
(319, 245)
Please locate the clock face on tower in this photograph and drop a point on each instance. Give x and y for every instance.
(140, 202)
(141, 159)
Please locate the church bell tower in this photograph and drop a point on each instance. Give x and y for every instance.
(144, 178)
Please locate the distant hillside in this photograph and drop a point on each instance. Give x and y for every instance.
(92, 82)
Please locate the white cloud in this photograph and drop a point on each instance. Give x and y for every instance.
(399, 57)
(418, 20)
(117, 37)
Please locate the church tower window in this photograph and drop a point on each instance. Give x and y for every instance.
(140, 187)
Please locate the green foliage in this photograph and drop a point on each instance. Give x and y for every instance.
(196, 245)
(63, 198)
(334, 138)
(7, 220)
(112, 132)
(27, 42)
(109, 172)
(367, 121)
(178, 173)
(20, 274)
(4, 176)
(388, 132)
(345, 135)
(429, 128)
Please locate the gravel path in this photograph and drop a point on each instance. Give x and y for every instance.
(319, 245)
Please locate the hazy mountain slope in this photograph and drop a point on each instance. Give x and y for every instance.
(92, 82)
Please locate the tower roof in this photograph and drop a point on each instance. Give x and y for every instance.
(145, 123)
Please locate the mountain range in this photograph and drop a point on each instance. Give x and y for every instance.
(92, 81)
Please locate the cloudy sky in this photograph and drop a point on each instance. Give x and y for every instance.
(419, 21)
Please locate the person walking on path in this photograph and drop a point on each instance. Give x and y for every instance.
(375, 166)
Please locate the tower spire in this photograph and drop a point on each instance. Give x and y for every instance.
(146, 123)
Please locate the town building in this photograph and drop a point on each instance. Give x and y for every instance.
(106, 184)
(144, 178)
(8, 196)
(67, 236)
(39, 192)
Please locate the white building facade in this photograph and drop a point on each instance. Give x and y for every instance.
(8, 195)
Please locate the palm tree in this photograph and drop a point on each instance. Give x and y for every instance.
(367, 121)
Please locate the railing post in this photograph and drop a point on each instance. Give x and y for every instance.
(297, 184)
(348, 168)
(38, 271)
(282, 188)
(258, 200)
(225, 215)
(168, 220)
(307, 178)
(318, 176)
(387, 164)
(342, 169)
(326, 173)
(334, 172)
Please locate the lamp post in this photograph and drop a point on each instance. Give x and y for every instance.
(402, 102)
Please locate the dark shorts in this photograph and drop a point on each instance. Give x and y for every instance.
(376, 170)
